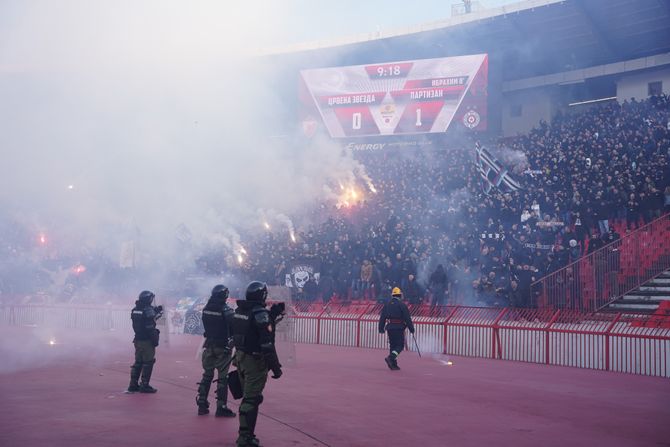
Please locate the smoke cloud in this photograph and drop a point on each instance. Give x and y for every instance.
(144, 126)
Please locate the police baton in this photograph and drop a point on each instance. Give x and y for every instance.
(416, 345)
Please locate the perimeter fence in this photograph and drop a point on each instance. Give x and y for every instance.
(636, 344)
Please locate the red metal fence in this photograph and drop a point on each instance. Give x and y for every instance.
(610, 342)
(601, 277)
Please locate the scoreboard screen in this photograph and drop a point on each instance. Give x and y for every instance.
(396, 98)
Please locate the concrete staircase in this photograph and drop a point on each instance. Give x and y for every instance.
(646, 298)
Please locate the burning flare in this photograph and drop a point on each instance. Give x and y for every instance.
(349, 197)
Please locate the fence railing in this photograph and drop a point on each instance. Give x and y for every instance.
(601, 277)
(91, 317)
(609, 342)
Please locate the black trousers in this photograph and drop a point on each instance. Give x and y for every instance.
(396, 341)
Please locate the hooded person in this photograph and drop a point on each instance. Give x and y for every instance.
(217, 318)
(438, 285)
(394, 318)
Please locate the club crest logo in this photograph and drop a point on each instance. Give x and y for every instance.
(471, 119)
(388, 113)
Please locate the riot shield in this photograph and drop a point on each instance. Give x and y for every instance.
(285, 329)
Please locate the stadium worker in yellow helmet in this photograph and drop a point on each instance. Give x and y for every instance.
(395, 318)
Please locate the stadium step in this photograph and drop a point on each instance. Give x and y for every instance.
(646, 298)
(659, 281)
(664, 289)
(648, 308)
(642, 295)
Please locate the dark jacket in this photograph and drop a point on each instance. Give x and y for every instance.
(143, 317)
(217, 318)
(438, 279)
(252, 330)
(397, 314)
(412, 291)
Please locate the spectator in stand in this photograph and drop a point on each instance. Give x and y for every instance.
(595, 243)
(438, 286)
(575, 250)
(486, 290)
(363, 284)
(514, 296)
(632, 211)
(326, 286)
(311, 290)
(412, 290)
(602, 213)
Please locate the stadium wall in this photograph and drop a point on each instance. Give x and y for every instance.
(524, 109)
(527, 101)
(638, 85)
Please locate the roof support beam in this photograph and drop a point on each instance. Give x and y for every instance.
(597, 29)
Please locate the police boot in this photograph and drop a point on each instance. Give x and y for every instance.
(224, 412)
(389, 362)
(135, 372)
(248, 442)
(147, 369)
(221, 409)
(394, 363)
(248, 416)
(201, 398)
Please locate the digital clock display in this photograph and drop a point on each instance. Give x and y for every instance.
(396, 70)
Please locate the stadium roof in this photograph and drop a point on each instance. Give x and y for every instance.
(529, 38)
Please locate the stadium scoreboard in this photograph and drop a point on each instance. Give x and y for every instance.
(396, 98)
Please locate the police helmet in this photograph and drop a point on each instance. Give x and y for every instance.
(396, 292)
(146, 297)
(220, 292)
(257, 291)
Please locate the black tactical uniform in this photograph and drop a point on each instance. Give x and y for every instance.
(397, 315)
(255, 354)
(144, 317)
(217, 318)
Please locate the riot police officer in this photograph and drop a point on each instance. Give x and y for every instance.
(217, 318)
(144, 317)
(255, 355)
(397, 315)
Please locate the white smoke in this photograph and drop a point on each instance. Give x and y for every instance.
(514, 160)
(142, 124)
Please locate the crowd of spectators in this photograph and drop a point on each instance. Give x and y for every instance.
(585, 179)
(432, 230)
